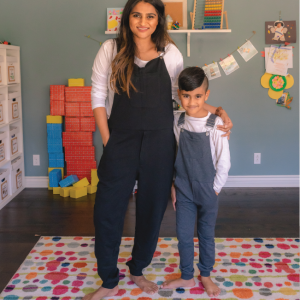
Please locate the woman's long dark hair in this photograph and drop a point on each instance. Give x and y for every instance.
(123, 63)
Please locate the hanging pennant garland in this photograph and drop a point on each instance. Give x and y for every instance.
(229, 64)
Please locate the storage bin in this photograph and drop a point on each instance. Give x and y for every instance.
(16, 174)
(3, 137)
(4, 183)
(14, 101)
(14, 142)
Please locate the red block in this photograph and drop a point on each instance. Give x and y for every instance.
(78, 94)
(72, 124)
(72, 109)
(81, 165)
(57, 92)
(81, 174)
(79, 153)
(86, 110)
(78, 138)
(57, 108)
(87, 124)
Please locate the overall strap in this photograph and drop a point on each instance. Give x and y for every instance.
(210, 123)
(181, 119)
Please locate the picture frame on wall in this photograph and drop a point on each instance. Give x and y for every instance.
(177, 9)
(11, 74)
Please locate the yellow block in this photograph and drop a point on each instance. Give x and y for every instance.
(95, 179)
(91, 189)
(76, 82)
(56, 190)
(54, 119)
(65, 192)
(81, 183)
(78, 192)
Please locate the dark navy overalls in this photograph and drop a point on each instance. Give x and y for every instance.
(141, 147)
(195, 173)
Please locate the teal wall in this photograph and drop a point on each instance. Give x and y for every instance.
(53, 49)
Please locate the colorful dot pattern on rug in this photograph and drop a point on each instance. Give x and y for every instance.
(64, 268)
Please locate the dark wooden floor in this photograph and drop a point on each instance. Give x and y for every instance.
(243, 212)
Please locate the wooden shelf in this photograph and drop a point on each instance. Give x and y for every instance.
(188, 32)
(9, 91)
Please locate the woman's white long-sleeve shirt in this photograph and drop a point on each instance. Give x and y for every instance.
(103, 95)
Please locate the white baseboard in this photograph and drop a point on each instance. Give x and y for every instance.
(233, 181)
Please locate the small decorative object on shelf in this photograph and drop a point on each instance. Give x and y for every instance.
(169, 22)
(175, 26)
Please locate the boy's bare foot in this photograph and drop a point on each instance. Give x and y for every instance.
(101, 293)
(210, 288)
(176, 283)
(144, 284)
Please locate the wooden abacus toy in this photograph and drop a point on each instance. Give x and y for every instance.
(208, 14)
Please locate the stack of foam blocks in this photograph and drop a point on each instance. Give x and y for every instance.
(78, 136)
(73, 102)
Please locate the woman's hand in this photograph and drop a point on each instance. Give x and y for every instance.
(173, 196)
(227, 124)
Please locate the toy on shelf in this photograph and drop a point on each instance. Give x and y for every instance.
(208, 14)
(176, 26)
(169, 21)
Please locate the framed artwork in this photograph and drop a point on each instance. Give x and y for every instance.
(280, 32)
(11, 74)
(247, 51)
(229, 65)
(14, 145)
(177, 9)
(4, 189)
(2, 152)
(114, 16)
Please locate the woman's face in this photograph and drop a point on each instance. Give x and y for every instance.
(143, 20)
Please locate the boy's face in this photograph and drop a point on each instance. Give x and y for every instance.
(193, 101)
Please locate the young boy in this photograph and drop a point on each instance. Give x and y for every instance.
(201, 170)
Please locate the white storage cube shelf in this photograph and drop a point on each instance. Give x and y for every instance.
(12, 173)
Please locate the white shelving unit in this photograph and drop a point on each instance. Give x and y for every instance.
(12, 172)
(188, 33)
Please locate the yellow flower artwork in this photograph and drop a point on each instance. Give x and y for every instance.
(276, 84)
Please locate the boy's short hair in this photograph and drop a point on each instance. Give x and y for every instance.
(192, 78)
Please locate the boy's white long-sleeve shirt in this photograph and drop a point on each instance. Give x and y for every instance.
(219, 145)
(103, 95)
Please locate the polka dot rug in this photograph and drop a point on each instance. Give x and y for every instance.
(64, 268)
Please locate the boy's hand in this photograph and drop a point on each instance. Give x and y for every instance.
(173, 196)
(217, 193)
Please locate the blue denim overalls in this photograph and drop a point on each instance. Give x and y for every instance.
(194, 181)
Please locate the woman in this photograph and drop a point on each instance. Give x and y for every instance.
(137, 72)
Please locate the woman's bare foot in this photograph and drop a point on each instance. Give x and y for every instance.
(176, 283)
(101, 293)
(210, 287)
(144, 284)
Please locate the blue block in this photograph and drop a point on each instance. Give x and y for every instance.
(54, 178)
(56, 163)
(55, 127)
(55, 148)
(53, 134)
(56, 156)
(69, 181)
(54, 141)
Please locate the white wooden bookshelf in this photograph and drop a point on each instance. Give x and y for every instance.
(12, 172)
(188, 33)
